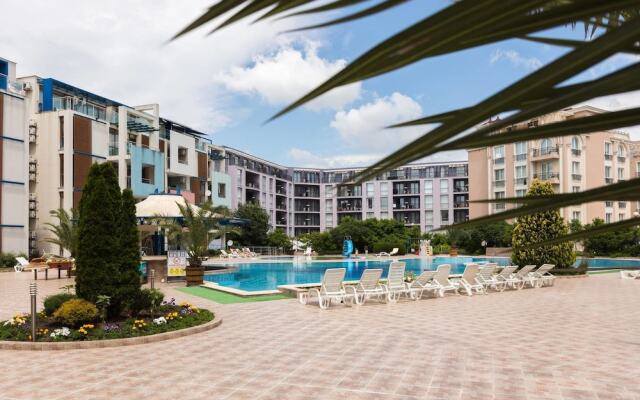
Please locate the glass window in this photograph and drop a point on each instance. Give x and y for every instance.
(371, 215)
(499, 174)
(521, 192)
(328, 205)
(498, 152)
(384, 189)
(428, 187)
(520, 148)
(621, 151)
(521, 171)
(575, 143)
(428, 217)
(575, 189)
(444, 217)
(183, 155)
(607, 172)
(264, 183)
(576, 215)
(620, 217)
(370, 203)
(239, 194)
(444, 201)
(546, 144)
(328, 190)
(607, 218)
(384, 215)
(428, 202)
(222, 190)
(384, 203)
(499, 195)
(444, 186)
(369, 189)
(239, 177)
(620, 173)
(607, 148)
(328, 220)
(575, 167)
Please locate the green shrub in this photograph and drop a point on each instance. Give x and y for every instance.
(76, 312)
(8, 260)
(53, 302)
(146, 300)
(441, 249)
(387, 244)
(214, 252)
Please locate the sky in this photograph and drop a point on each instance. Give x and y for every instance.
(228, 84)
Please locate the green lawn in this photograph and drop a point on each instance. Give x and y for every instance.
(228, 298)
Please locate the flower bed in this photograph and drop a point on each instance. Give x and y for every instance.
(168, 317)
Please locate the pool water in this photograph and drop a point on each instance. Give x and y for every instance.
(288, 270)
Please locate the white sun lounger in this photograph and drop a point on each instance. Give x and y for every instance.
(21, 264)
(249, 253)
(441, 280)
(396, 286)
(543, 275)
(308, 252)
(469, 281)
(507, 279)
(332, 288)
(368, 286)
(524, 274)
(486, 276)
(423, 282)
(393, 252)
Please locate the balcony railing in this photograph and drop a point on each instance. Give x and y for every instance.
(520, 157)
(69, 103)
(608, 180)
(406, 206)
(545, 176)
(253, 185)
(576, 177)
(461, 189)
(520, 181)
(545, 151)
(146, 180)
(461, 204)
(499, 183)
(281, 207)
(622, 158)
(576, 152)
(349, 209)
(622, 204)
(499, 160)
(608, 156)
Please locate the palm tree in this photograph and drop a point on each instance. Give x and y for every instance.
(611, 27)
(65, 232)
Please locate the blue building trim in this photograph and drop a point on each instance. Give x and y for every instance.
(143, 156)
(47, 94)
(3, 181)
(11, 226)
(11, 138)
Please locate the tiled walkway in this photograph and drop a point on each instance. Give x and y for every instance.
(577, 340)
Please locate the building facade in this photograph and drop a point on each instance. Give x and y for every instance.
(571, 164)
(302, 200)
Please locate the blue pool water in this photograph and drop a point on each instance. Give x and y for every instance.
(287, 270)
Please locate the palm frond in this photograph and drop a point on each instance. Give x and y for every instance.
(589, 232)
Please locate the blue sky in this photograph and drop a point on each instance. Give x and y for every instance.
(228, 84)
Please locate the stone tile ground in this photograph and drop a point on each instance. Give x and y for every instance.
(577, 340)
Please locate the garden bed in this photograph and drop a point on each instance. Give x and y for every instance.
(166, 319)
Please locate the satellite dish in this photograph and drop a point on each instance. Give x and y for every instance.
(229, 242)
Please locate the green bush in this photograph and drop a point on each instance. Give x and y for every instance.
(387, 244)
(8, 260)
(441, 249)
(214, 252)
(76, 312)
(53, 302)
(146, 300)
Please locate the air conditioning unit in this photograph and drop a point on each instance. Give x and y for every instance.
(32, 137)
(33, 234)
(32, 214)
(32, 176)
(33, 167)
(27, 86)
(32, 205)
(32, 196)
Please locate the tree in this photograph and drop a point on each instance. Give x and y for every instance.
(99, 244)
(65, 232)
(539, 227)
(278, 238)
(611, 28)
(193, 232)
(470, 240)
(128, 277)
(618, 243)
(254, 233)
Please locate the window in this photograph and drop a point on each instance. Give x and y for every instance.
(608, 203)
(444, 186)
(264, 183)
(264, 200)
(428, 201)
(370, 203)
(607, 172)
(575, 143)
(222, 190)
(384, 203)
(520, 148)
(498, 152)
(148, 173)
(575, 189)
(328, 206)
(499, 195)
(444, 217)
(61, 121)
(61, 170)
(620, 217)
(328, 220)
(428, 217)
(384, 189)
(370, 190)
(239, 177)
(620, 173)
(384, 215)
(621, 151)
(607, 148)
(428, 187)
(498, 175)
(270, 185)
(575, 167)
(183, 157)
(607, 218)
(576, 215)
(546, 145)
(271, 202)
(444, 201)
(239, 195)
(328, 190)
(371, 215)
(521, 171)
(521, 192)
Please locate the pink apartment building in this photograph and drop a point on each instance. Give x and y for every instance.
(571, 164)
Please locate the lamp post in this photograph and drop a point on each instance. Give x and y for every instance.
(33, 291)
(153, 278)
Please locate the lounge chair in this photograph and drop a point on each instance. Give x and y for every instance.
(331, 289)
(423, 282)
(249, 253)
(393, 252)
(308, 252)
(524, 274)
(543, 275)
(469, 281)
(236, 254)
(396, 286)
(441, 280)
(368, 286)
(224, 254)
(486, 276)
(21, 264)
(507, 278)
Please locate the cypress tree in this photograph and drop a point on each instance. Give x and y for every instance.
(128, 285)
(98, 243)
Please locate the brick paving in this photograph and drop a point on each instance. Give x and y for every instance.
(577, 340)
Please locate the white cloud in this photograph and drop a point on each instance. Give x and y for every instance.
(289, 72)
(528, 63)
(620, 102)
(118, 50)
(363, 127)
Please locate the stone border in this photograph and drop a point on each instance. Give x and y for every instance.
(100, 344)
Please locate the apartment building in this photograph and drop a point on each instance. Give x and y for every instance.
(302, 200)
(14, 142)
(571, 164)
(70, 128)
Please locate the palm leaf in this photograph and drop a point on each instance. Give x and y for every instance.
(589, 232)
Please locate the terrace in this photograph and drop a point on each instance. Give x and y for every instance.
(578, 337)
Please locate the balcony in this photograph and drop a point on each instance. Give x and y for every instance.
(461, 204)
(69, 103)
(576, 177)
(408, 205)
(622, 158)
(545, 153)
(552, 177)
(281, 207)
(460, 189)
(608, 180)
(576, 152)
(622, 204)
(608, 156)
(520, 157)
(349, 209)
(520, 181)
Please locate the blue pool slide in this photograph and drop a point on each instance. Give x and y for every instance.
(347, 248)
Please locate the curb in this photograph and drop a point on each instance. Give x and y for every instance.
(101, 344)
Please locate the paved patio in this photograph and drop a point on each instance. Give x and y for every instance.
(577, 340)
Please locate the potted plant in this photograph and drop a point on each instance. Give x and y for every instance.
(193, 235)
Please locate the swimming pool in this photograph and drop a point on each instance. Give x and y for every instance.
(256, 276)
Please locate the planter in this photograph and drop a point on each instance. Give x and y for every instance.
(194, 275)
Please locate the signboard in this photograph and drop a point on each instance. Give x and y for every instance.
(176, 263)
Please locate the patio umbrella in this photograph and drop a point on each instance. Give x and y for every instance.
(163, 206)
